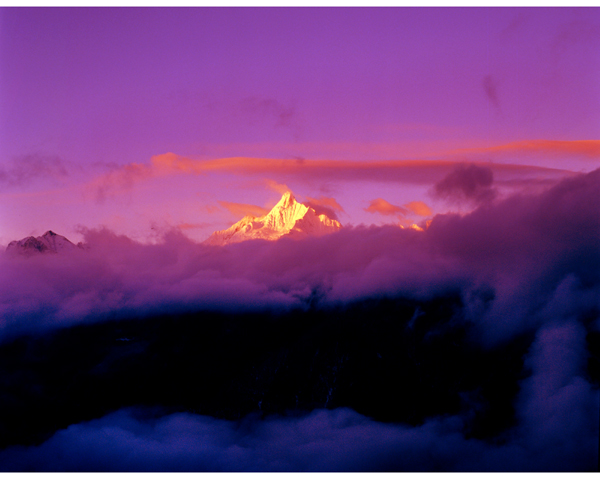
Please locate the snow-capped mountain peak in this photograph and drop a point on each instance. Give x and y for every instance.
(286, 200)
(49, 242)
(285, 213)
(287, 218)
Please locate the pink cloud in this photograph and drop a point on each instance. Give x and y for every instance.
(583, 148)
(279, 171)
(279, 188)
(326, 201)
(192, 226)
(403, 171)
(325, 205)
(210, 209)
(418, 208)
(119, 180)
(241, 210)
(381, 206)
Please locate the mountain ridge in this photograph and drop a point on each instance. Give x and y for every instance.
(49, 242)
(286, 218)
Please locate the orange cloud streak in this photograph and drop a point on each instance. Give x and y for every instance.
(419, 171)
(588, 148)
(404, 171)
(170, 163)
(381, 206)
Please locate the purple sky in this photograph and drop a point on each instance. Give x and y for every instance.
(89, 96)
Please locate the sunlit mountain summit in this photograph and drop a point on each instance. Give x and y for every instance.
(49, 242)
(287, 218)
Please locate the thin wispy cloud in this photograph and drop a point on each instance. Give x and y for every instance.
(419, 172)
(28, 168)
(490, 88)
(240, 209)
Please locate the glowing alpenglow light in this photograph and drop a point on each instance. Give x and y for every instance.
(287, 218)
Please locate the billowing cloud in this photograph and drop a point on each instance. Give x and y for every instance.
(549, 225)
(325, 205)
(467, 183)
(240, 209)
(517, 279)
(322, 441)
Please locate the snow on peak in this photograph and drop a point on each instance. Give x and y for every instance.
(288, 217)
(286, 200)
(49, 242)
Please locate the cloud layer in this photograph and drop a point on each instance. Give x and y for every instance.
(532, 241)
(557, 434)
(467, 183)
(525, 266)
